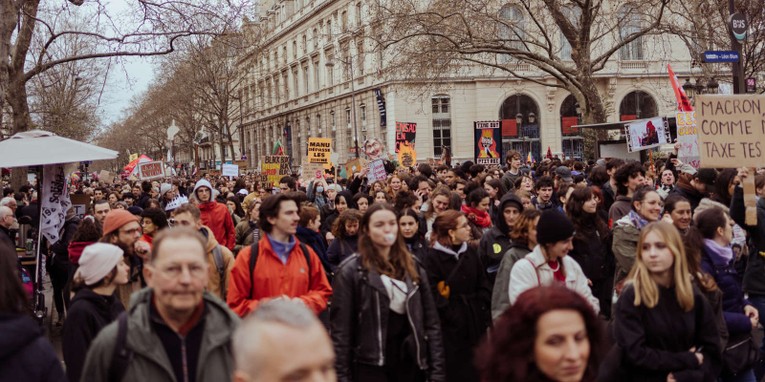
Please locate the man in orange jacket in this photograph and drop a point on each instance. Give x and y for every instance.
(215, 215)
(282, 268)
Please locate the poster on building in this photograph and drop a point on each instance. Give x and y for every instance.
(319, 150)
(151, 170)
(405, 135)
(687, 138)
(376, 171)
(488, 146)
(731, 130)
(646, 133)
(274, 168)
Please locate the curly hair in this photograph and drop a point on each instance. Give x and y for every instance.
(338, 226)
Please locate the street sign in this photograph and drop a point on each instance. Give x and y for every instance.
(738, 26)
(714, 56)
(751, 85)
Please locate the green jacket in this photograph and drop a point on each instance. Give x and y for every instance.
(149, 361)
(626, 237)
(500, 297)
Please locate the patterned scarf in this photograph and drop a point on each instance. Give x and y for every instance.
(637, 220)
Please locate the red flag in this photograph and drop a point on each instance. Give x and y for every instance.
(682, 100)
(549, 153)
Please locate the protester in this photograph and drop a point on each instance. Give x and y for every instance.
(123, 229)
(462, 292)
(153, 220)
(664, 328)
(215, 215)
(495, 243)
(628, 178)
(174, 330)
(402, 309)
(281, 266)
(345, 230)
(247, 231)
(282, 340)
(677, 210)
(549, 334)
(409, 227)
(100, 209)
(25, 353)
(102, 268)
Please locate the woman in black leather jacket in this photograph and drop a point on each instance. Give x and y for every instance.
(384, 323)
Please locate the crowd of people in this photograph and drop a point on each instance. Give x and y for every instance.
(558, 271)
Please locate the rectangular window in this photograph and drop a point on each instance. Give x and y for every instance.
(442, 124)
(305, 78)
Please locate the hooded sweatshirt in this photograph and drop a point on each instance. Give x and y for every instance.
(496, 242)
(216, 217)
(25, 354)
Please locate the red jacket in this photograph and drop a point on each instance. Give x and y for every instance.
(216, 217)
(273, 279)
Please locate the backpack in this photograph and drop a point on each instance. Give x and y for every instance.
(254, 260)
(122, 355)
(221, 267)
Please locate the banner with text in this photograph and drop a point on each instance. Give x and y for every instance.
(687, 138)
(319, 150)
(405, 135)
(488, 142)
(731, 130)
(55, 202)
(274, 168)
(151, 170)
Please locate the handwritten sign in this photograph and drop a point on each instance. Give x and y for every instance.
(230, 170)
(731, 130)
(376, 171)
(275, 167)
(311, 171)
(687, 137)
(319, 149)
(151, 170)
(80, 203)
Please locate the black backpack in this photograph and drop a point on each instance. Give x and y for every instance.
(254, 260)
(122, 355)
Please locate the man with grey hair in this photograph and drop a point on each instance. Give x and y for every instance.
(282, 340)
(6, 239)
(13, 205)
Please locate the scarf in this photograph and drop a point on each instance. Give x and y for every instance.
(725, 253)
(637, 220)
(479, 218)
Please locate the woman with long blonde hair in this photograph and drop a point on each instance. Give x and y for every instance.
(665, 329)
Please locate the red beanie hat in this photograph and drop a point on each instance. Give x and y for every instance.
(116, 219)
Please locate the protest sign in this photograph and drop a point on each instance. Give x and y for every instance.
(487, 144)
(55, 202)
(80, 203)
(151, 170)
(731, 130)
(105, 177)
(405, 135)
(646, 133)
(319, 150)
(274, 168)
(311, 172)
(687, 138)
(354, 166)
(376, 171)
(230, 170)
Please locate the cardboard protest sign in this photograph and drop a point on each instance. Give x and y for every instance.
(646, 133)
(311, 172)
(105, 177)
(151, 170)
(405, 135)
(80, 203)
(731, 130)
(275, 167)
(376, 171)
(688, 139)
(354, 166)
(319, 150)
(488, 142)
(230, 170)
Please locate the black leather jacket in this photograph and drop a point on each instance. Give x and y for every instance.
(359, 320)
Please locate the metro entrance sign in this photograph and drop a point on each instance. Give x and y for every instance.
(714, 56)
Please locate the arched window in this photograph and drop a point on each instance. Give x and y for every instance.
(572, 141)
(629, 24)
(637, 105)
(520, 126)
(512, 29)
(442, 123)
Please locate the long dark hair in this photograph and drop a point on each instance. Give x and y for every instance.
(506, 354)
(13, 298)
(399, 262)
(582, 220)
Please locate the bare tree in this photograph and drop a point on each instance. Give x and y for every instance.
(566, 41)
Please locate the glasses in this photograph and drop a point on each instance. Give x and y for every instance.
(182, 223)
(132, 231)
(176, 270)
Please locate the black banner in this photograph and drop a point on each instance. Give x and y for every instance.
(381, 106)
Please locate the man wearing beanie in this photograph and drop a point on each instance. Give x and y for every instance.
(123, 229)
(215, 215)
(549, 262)
(94, 306)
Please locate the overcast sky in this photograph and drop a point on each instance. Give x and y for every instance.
(122, 85)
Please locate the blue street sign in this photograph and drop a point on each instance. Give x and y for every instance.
(713, 56)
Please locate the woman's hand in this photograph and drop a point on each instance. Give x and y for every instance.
(699, 356)
(753, 314)
(671, 378)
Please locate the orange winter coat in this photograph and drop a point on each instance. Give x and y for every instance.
(215, 216)
(273, 279)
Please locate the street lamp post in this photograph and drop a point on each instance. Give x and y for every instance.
(349, 63)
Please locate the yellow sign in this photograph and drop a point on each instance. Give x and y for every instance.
(319, 149)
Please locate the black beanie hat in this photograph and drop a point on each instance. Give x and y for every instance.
(553, 227)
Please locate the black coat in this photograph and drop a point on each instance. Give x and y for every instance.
(87, 315)
(25, 354)
(359, 320)
(654, 342)
(465, 315)
(341, 249)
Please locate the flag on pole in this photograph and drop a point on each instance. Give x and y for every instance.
(549, 153)
(529, 159)
(278, 148)
(683, 104)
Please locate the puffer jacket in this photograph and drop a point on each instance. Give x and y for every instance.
(359, 320)
(754, 276)
(733, 300)
(149, 361)
(215, 216)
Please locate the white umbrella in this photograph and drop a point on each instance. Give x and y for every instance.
(39, 147)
